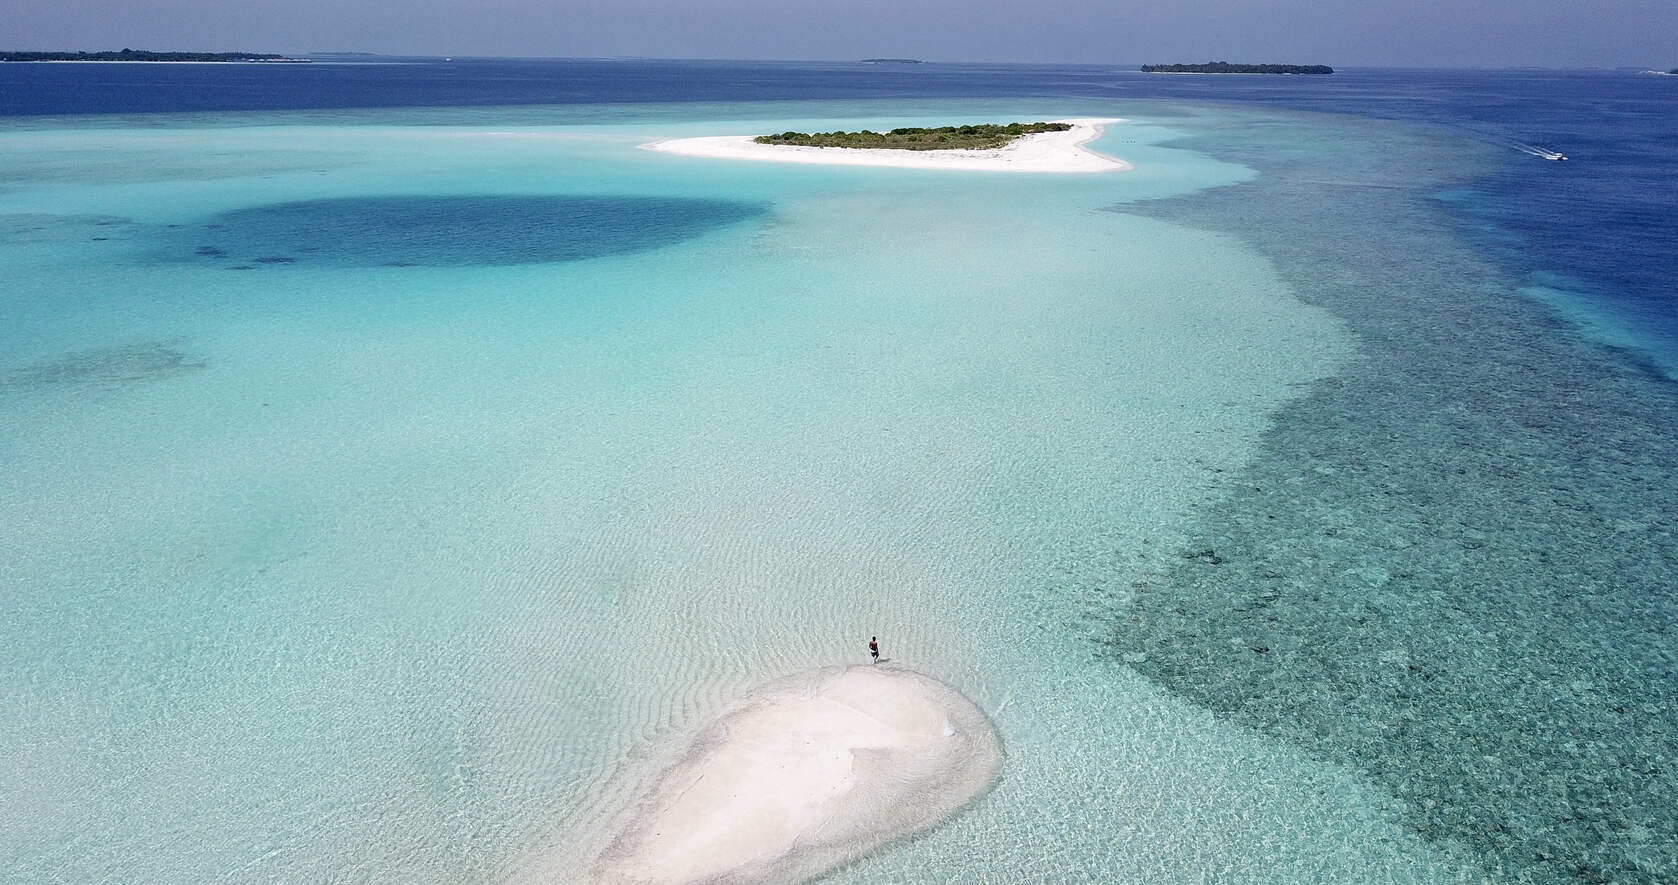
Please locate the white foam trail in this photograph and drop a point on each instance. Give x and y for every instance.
(1536, 151)
(1502, 140)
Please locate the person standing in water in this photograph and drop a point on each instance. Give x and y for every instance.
(874, 648)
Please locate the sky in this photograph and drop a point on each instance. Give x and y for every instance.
(1422, 33)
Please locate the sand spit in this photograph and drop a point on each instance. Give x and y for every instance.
(1043, 152)
(804, 774)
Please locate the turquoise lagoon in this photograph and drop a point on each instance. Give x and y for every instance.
(339, 550)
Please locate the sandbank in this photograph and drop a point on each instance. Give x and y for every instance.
(1042, 152)
(804, 774)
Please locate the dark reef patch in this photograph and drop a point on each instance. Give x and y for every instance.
(108, 367)
(1459, 556)
(444, 231)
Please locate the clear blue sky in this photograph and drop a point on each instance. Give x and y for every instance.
(1446, 33)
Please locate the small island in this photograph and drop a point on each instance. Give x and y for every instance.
(891, 61)
(144, 55)
(1059, 147)
(1224, 67)
(978, 137)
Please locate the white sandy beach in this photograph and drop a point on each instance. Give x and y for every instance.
(1060, 152)
(807, 773)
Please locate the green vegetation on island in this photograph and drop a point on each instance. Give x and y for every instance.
(980, 137)
(1224, 67)
(144, 55)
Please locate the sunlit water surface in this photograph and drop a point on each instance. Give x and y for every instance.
(385, 502)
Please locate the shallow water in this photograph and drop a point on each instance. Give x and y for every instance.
(336, 568)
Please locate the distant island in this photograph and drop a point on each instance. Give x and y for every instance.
(979, 137)
(1224, 67)
(143, 55)
(892, 61)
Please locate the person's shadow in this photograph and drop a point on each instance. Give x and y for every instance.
(882, 660)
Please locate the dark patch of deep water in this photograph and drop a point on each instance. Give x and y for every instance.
(1451, 566)
(434, 231)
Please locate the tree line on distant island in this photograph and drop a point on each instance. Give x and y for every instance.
(143, 55)
(979, 137)
(1224, 67)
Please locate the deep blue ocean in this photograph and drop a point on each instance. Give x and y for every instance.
(1595, 232)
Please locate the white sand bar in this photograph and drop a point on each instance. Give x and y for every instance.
(807, 773)
(1042, 152)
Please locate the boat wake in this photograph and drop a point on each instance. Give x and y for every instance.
(1537, 151)
(1479, 133)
